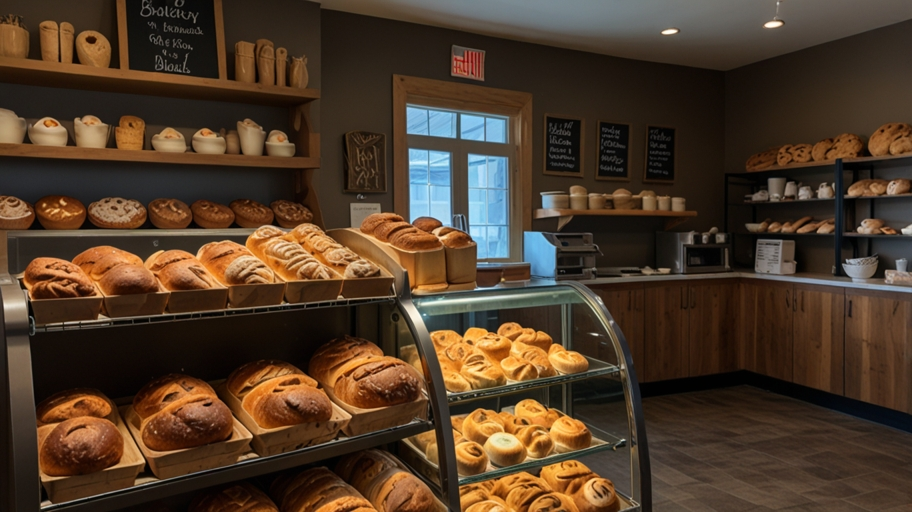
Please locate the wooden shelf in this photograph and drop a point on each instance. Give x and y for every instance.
(881, 236)
(565, 216)
(780, 203)
(147, 156)
(78, 76)
(860, 198)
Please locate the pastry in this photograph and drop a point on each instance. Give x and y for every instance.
(233, 264)
(819, 151)
(456, 422)
(289, 214)
(170, 214)
(360, 468)
(536, 439)
(48, 131)
(93, 49)
(424, 439)
(489, 505)
(826, 229)
(553, 502)
(90, 132)
(453, 381)
(211, 215)
(494, 346)
(79, 446)
(775, 227)
(236, 497)
(251, 214)
(567, 476)
(15, 213)
(413, 239)
(535, 338)
(288, 259)
(208, 142)
(846, 145)
(443, 339)
(480, 425)
(456, 354)
(73, 403)
(570, 435)
(427, 224)
(507, 483)
(372, 221)
(52, 278)
(537, 413)
(518, 369)
(510, 330)
(597, 495)
(117, 213)
(97, 261)
(377, 382)
(880, 141)
(762, 160)
(179, 270)
(328, 360)
(515, 424)
(894, 188)
(169, 141)
(568, 361)
(128, 280)
(504, 449)
(522, 496)
(457, 240)
(540, 359)
(473, 333)
(789, 154)
(131, 133)
(901, 145)
(481, 373)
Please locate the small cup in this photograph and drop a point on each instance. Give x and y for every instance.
(664, 203)
(596, 201)
(902, 264)
(579, 202)
(678, 204)
(649, 203)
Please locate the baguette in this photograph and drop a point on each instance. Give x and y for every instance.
(775, 227)
(791, 227)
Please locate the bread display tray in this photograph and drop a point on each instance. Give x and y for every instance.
(426, 269)
(72, 309)
(365, 421)
(188, 301)
(313, 290)
(189, 460)
(255, 295)
(119, 476)
(461, 264)
(140, 304)
(272, 441)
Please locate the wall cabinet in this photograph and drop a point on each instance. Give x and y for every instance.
(878, 348)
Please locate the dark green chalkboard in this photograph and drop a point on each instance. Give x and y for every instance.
(660, 154)
(563, 146)
(613, 152)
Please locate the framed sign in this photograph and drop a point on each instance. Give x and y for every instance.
(660, 154)
(563, 146)
(613, 162)
(365, 162)
(180, 37)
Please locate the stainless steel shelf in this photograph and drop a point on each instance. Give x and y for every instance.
(252, 467)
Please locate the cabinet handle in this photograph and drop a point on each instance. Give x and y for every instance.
(850, 309)
(788, 305)
(802, 302)
(794, 301)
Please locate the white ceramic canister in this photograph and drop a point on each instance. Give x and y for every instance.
(776, 187)
(555, 200)
(664, 203)
(678, 204)
(579, 202)
(596, 201)
(649, 203)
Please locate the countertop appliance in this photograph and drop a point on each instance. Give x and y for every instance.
(560, 255)
(685, 253)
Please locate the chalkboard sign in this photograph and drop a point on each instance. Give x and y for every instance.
(563, 146)
(181, 37)
(613, 152)
(660, 154)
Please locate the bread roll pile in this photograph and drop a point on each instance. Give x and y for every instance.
(876, 187)
(386, 482)
(236, 497)
(426, 234)
(482, 359)
(801, 226)
(178, 411)
(875, 227)
(82, 439)
(117, 272)
(331, 253)
(567, 486)
(277, 394)
(362, 376)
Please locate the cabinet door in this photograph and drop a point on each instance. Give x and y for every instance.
(713, 309)
(666, 342)
(818, 334)
(744, 324)
(625, 303)
(771, 330)
(878, 349)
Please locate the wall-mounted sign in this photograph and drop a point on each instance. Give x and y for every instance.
(613, 152)
(660, 154)
(365, 162)
(563, 146)
(467, 63)
(181, 37)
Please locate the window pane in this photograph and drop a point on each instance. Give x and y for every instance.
(441, 204)
(418, 201)
(417, 121)
(497, 172)
(496, 130)
(478, 235)
(418, 166)
(497, 207)
(472, 127)
(477, 216)
(440, 168)
(478, 171)
(497, 242)
(442, 124)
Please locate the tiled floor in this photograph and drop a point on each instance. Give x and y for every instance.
(743, 449)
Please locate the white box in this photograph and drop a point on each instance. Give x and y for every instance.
(775, 257)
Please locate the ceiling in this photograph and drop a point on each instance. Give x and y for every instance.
(715, 34)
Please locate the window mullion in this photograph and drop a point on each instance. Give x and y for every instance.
(460, 179)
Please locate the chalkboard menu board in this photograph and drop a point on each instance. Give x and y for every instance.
(660, 154)
(182, 37)
(613, 151)
(563, 146)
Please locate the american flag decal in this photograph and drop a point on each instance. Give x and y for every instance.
(467, 63)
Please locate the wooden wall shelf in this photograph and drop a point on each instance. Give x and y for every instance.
(155, 157)
(78, 76)
(565, 216)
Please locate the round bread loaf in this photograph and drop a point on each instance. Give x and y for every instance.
(73, 403)
(518, 369)
(162, 391)
(170, 214)
(457, 353)
(443, 339)
(535, 412)
(568, 476)
(251, 214)
(535, 338)
(899, 186)
(328, 360)
(97, 261)
(188, 422)
(377, 382)
(79, 446)
(568, 361)
(413, 239)
(396, 490)
(597, 495)
(289, 214)
(819, 151)
(287, 400)
(60, 212)
(209, 215)
(504, 449)
(880, 141)
(236, 497)
(536, 439)
(117, 213)
(384, 231)
(481, 373)
(490, 505)
(473, 333)
(553, 502)
(515, 424)
(570, 435)
(15, 213)
(494, 346)
(53, 278)
(370, 223)
(480, 425)
(846, 145)
(427, 224)
(762, 160)
(250, 375)
(128, 280)
(510, 330)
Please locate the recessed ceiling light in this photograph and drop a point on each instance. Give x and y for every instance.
(774, 23)
(670, 31)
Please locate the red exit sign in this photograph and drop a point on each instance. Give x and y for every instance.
(467, 63)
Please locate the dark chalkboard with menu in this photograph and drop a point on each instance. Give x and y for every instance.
(613, 152)
(660, 154)
(563, 146)
(181, 37)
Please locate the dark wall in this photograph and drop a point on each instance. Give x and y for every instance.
(852, 85)
(361, 54)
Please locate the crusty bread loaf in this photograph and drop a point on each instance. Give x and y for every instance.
(819, 151)
(287, 400)
(377, 382)
(251, 214)
(397, 490)
(160, 392)
(233, 264)
(567, 476)
(186, 423)
(362, 467)
(79, 446)
(97, 261)
(384, 231)
(179, 270)
(846, 145)
(880, 141)
(331, 253)
(453, 238)
(15, 213)
(117, 213)
(328, 360)
(762, 160)
(289, 214)
(60, 212)
(250, 375)
(899, 186)
(372, 221)
(570, 435)
(170, 214)
(236, 497)
(794, 154)
(288, 259)
(317, 489)
(73, 403)
(427, 224)
(52, 278)
(210, 215)
(413, 239)
(128, 280)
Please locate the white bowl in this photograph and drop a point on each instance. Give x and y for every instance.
(285, 149)
(209, 145)
(91, 136)
(867, 260)
(555, 200)
(12, 130)
(169, 145)
(753, 227)
(664, 271)
(860, 272)
(43, 136)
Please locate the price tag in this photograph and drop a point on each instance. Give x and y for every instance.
(360, 211)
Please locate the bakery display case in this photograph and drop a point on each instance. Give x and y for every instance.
(601, 396)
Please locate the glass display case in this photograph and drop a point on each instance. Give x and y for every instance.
(604, 396)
